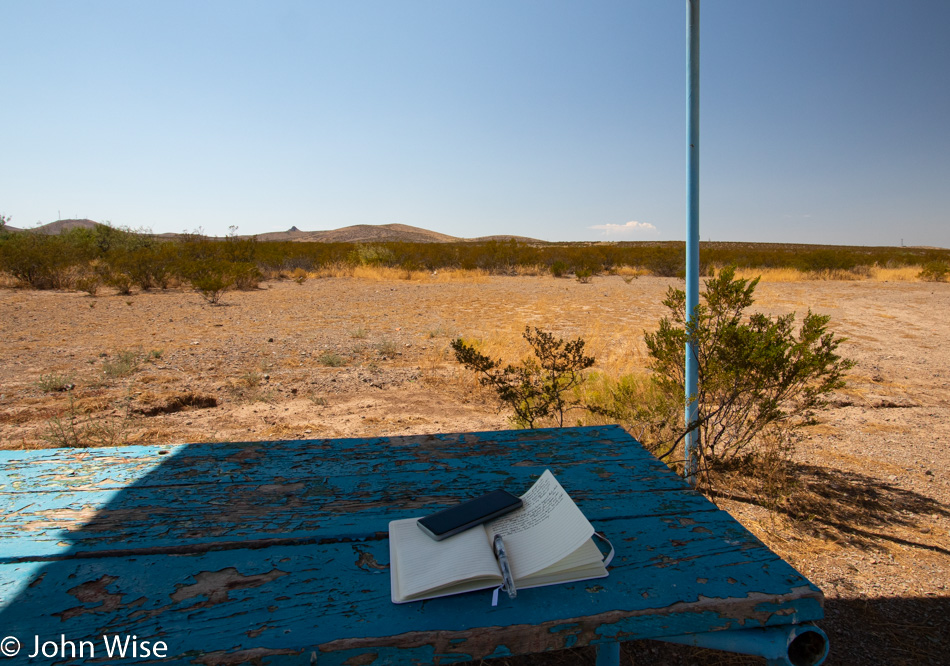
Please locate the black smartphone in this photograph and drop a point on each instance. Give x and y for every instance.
(445, 523)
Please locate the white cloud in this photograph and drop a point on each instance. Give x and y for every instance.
(628, 228)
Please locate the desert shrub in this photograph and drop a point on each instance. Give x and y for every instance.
(371, 255)
(38, 260)
(386, 348)
(116, 276)
(89, 281)
(153, 266)
(759, 379)
(74, 429)
(124, 364)
(558, 268)
(584, 275)
(539, 388)
(332, 360)
(53, 382)
(210, 277)
(244, 276)
(665, 261)
(935, 271)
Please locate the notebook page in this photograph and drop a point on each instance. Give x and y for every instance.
(548, 528)
(424, 563)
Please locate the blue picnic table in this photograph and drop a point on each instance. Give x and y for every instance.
(277, 552)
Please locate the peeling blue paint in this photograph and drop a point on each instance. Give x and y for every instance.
(267, 552)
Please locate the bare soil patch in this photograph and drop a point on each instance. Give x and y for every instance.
(347, 357)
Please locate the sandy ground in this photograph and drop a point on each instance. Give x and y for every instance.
(347, 357)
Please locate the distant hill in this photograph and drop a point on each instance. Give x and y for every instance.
(504, 237)
(359, 233)
(362, 233)
(378, 233)
(60, 226)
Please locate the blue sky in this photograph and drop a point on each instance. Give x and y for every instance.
(822, 122)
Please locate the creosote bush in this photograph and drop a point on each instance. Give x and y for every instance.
(935, 271)
(760, 378)
(540, 388)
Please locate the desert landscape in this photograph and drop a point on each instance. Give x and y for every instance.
(362, 356)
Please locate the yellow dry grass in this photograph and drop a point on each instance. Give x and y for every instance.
(631, 271)
(875, 273)
(392, 274)
(771, 274)
(472, 276)
(902, 274)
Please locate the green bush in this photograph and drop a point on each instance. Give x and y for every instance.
(332, 360)
(210, 277)
(539, 388)
(124, 364)
(935, 271)
(53, 382)
(38, 260)
(245, 276)
(759, 378)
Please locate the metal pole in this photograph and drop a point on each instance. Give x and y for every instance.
(783, 645)
(692, 235)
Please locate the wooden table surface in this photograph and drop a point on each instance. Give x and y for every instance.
(277, 552)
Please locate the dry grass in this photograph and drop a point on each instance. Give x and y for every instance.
(393, 274)
(902, 274)
(875, 273)
(631, 271)
(472, 276)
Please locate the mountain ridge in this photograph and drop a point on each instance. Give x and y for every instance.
(357, 233)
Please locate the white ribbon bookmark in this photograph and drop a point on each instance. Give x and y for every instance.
(494, 595)
(610, 555)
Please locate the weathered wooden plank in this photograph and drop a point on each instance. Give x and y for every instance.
(204, 517)
(669, 578)
(162, 507)
(241, 462)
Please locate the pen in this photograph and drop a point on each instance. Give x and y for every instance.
(502, 556)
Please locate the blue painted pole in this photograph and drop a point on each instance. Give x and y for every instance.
(608, 654)
(692, 234)
(783, 645)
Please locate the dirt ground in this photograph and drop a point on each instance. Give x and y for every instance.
(354, 357)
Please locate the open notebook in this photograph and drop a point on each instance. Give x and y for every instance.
(548, 541)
